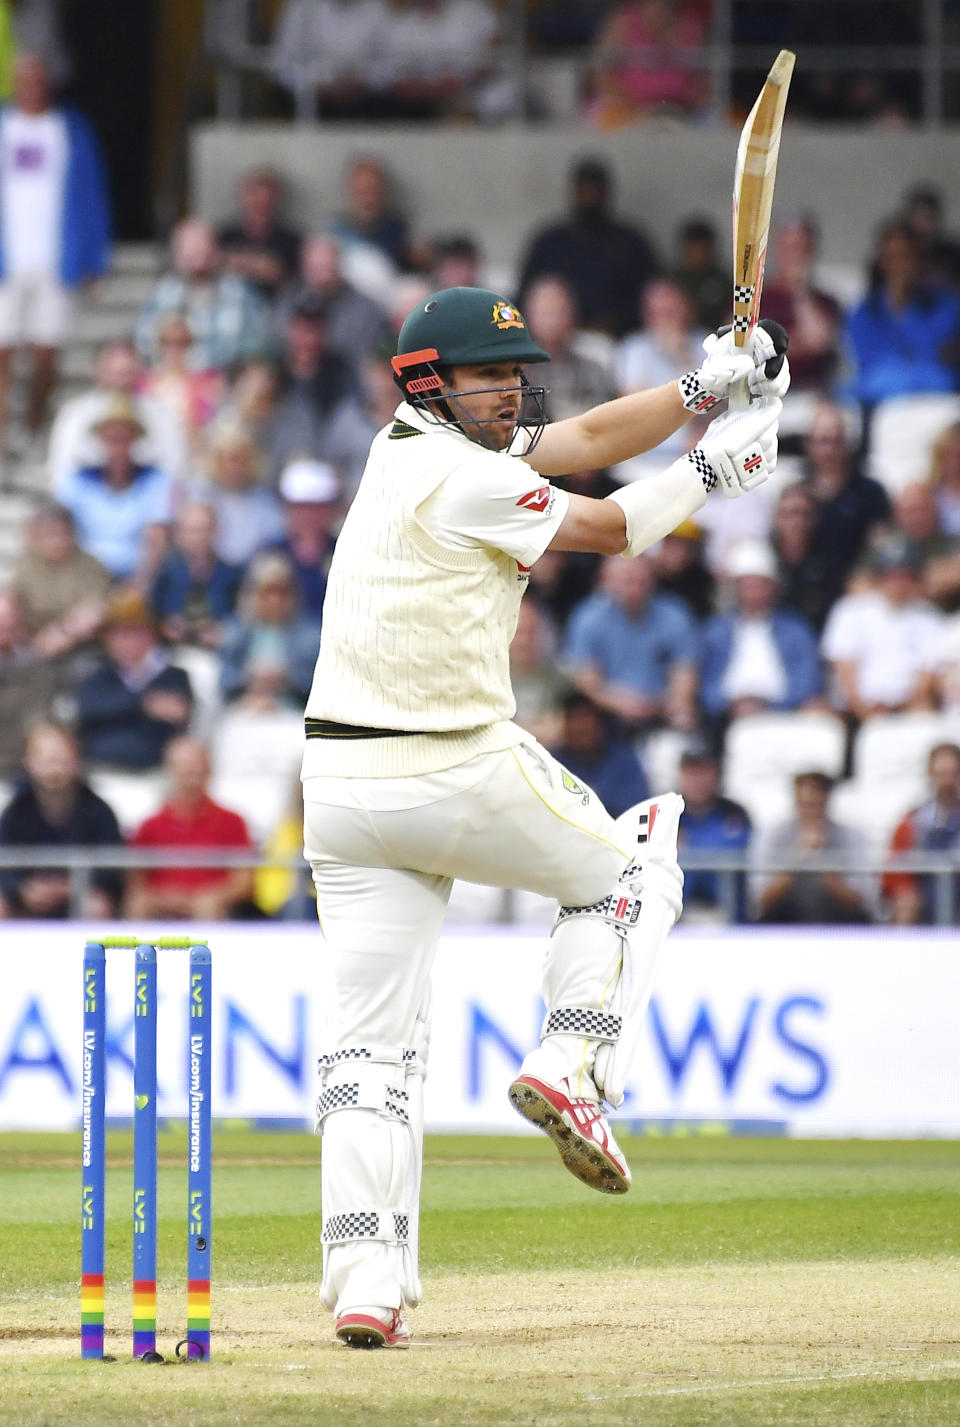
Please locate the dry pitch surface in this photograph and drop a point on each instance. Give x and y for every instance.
(740, 1282)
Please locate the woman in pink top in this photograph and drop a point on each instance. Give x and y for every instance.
(641, 65)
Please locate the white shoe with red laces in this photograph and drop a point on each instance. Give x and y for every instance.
(577, 1126)
(372, 1328)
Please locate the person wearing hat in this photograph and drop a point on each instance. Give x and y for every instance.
(885, 644)
(130, 707)
(757, 656)
(414, 772)
(121, 507)
(311, 493)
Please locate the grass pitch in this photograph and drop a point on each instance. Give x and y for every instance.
(739, 1283)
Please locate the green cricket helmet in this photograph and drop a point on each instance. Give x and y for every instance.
(465, 327)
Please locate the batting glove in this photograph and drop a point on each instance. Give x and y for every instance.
(739, 450)
(761, 362)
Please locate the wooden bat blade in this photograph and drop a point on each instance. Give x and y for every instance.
(753, 186)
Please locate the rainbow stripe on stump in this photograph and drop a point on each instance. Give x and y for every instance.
(144, 1316)
(91, 1315)
(198, 1318)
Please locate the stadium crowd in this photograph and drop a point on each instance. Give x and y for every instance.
(159, 627)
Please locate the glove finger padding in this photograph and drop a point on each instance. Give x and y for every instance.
(769, 374)
(741, 447)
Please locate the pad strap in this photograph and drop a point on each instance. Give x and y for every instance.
(365, 1078)
(387, 1227)
(581, 1021)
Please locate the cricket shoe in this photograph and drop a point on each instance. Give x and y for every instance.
(578, 1128)
(373, 1328)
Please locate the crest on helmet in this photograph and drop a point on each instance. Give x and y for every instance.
(505, 315)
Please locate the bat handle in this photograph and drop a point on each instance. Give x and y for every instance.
(738, 398)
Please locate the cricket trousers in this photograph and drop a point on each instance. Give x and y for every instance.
(384, 854)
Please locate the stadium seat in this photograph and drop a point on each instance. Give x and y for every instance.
(875, 808)
(895, 747)
(203, 669)
(764, 752)
(132, 796)
(256, 763)
(902, 435)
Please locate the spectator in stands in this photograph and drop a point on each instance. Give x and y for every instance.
(318, 410)
(62, 590)
(194, 590)
(248, 403)
(560, 580)
(933, 827)
(121, 508)
(577, 380)
(27, 685)
(370, 215)
(537, 684)
(710, 823)
(606, 262)
(191, 819)
(455, 261)
(55, 233)
(137, 700)
(806, 581)
(117, 373)
(923, 212)
(312, 494)
(667, 345)
(269, 639)
(249, 515)
(945, 478)
(190, 395)
(902, 339)
(593, 747)
(284, 891)
(334, 51)
(791, 297)
(757, 657)
(884, 644)
(644, 61)
(440, 60)
(55, 808)
(936, 555)
(355, 325)
(700, 273)
(851, 506)
(228, 319)
(681, 571)
(256, 244)
(633, 650)
(803, 896)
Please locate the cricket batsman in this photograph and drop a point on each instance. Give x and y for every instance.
(414, 773)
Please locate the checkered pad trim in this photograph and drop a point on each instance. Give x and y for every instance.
(694, 396)
(742, 292)
(583, 1021)
(357, 1052)
(392, 1102)
(336, 1098)
(342, 1228)
(704, 469)
(617, 909)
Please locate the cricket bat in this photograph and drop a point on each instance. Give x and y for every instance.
(753, 184)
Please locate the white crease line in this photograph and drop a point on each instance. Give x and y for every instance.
(880, 1374)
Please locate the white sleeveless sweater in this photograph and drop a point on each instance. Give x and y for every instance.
(415, 635)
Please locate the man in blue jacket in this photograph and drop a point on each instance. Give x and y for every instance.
(757, 657)
(54, 228)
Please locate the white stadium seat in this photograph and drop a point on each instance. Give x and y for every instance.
(874, 808)
(764, 752)
(895, 747)
(902, 435)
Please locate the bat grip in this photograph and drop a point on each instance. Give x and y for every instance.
(738, 398)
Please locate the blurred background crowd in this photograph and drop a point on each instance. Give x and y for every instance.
(172, 493)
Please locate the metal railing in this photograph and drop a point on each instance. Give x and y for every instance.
(237, 41)
(79, 864)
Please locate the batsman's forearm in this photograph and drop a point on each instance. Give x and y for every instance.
(655, 505)
(610, 433)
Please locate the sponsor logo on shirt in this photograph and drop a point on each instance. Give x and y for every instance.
(539, 500)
